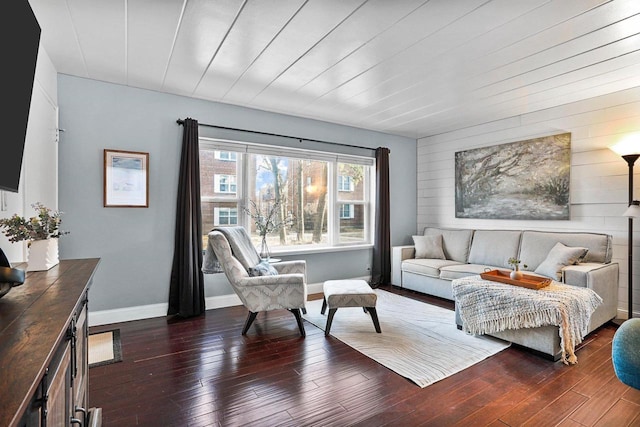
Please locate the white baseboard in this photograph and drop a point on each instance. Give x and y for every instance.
(117, 315)
(624, 314)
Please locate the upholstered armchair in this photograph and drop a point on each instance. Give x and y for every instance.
(259, 285)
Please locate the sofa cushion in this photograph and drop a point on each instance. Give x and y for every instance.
(455, 242)
(426, 267)
(559, 257)
(494, 247)
(451, 272)
(537, 244)
(428, 246)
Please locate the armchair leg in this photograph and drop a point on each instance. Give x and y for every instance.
(296, 312)
(247, 324)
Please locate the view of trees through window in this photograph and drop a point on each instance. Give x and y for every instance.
(324, 202)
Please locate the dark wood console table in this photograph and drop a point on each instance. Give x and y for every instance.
(43, 347)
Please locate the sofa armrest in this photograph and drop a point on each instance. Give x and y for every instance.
(603, 279)
(399, 254)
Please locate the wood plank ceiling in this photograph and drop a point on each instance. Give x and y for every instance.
(407, 67)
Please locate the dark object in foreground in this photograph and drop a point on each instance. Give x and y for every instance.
(9, 277)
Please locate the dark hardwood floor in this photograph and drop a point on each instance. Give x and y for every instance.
(202, 372)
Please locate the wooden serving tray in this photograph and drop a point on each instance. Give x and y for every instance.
(527, 281)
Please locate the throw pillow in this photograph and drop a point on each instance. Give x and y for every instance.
(559, 257)
(429, 246)
(263, 268)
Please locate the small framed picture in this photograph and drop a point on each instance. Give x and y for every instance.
(126, 179)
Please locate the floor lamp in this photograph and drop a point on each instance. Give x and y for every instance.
(629, 149)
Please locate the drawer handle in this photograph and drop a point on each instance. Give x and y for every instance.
(84, 416)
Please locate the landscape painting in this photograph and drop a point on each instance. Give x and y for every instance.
(524, 180)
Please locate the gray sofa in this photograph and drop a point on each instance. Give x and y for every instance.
(469, 252)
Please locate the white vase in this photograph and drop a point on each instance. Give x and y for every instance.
(516, 274)
(43, 254)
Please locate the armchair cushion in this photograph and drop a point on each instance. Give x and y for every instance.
(264, 293)
(263, 268)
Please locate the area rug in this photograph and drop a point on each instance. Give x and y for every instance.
(104, 348)
(418, 341)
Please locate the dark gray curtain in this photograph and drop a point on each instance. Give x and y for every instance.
(186, 291)
(381, 264)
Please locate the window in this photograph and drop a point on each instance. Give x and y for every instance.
(326, 196)
(346, 211)
(228, 156)
(345, 183)
(225, 183)
(225, 216)
(353, 215)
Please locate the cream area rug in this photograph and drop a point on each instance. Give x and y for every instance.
(104, 348)
(418, 341)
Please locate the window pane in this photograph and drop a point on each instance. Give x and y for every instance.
(352, 223)
(351, 182)
(301, 188)
(224, 184)
(228, 156)
(345, 183)
(217, 213)
(217, 176)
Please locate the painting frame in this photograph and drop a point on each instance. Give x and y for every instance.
(521, 180)
(125, 179)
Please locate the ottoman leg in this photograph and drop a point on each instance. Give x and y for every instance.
(324, 306)
(374, 317)
(332, 312)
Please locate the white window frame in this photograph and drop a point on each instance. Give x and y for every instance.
(333, 200)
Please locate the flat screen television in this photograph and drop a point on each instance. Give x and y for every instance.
(20, 52)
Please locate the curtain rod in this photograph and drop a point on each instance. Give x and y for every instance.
(181, 122)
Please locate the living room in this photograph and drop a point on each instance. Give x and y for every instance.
(97, 109)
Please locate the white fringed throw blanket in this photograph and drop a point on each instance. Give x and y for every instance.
(486, 307)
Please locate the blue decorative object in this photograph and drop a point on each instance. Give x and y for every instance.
(625, 353)
(263, 269)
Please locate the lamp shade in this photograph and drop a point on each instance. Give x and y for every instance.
(628, 145)
(633, 211)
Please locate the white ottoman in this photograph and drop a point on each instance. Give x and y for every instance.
(349, 293)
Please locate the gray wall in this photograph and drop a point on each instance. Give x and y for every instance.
(136, 244)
